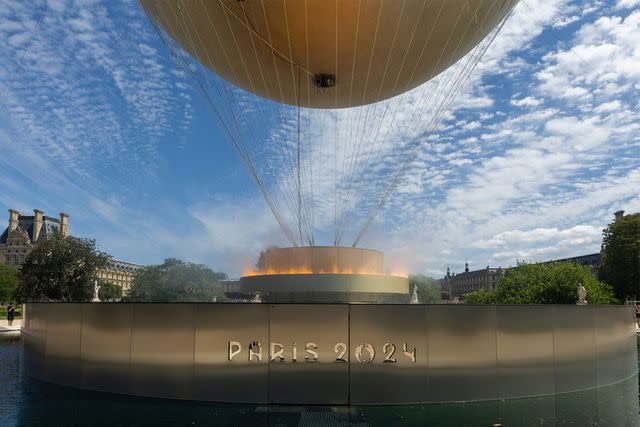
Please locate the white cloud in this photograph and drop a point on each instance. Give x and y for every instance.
(573, 235)
(627, 4)
(528, 101)
(90, 92)
(608, 107)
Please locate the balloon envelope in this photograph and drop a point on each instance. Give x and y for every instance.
(328, 54)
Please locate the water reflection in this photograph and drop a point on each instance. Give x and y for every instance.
(28, 402)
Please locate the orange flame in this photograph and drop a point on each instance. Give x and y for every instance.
(306, 270)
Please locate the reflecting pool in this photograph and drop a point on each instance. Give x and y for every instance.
(28, 402)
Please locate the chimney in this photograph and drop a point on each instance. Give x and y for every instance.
(64, 223)
(37, 224)
(618, 215)
(13, 219)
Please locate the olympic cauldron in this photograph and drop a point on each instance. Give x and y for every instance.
(328, 335)
(312, 274)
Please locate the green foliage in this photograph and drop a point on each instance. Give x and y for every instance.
(176, 280)
(428, 289)
(16, 315)
(61, 269)
(621, 257)
(553, 283)
(109, 291)
(478, 297)
(8, 282)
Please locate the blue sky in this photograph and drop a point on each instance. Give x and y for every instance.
(537, 152)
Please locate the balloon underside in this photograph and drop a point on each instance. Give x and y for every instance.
(328, 54)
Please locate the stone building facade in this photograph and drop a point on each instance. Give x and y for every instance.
(120, 273)
(25, 232)
(592, 261)
(457, 285)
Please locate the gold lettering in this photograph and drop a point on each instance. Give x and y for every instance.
(369, 348)
(234, 349)
(258, 353)
(410, 354)
(340, 349)
(277, 354)
(312, 355)
(389, 349)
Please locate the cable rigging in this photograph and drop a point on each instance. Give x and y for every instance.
(278, 82)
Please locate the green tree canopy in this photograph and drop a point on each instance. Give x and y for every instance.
(176, 280)
(428, 288)
(552, 283)
(8, 282)
(479, 297)
(61, 269)
(621, 256)
(109, 291)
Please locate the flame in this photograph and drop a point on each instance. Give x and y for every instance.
(306, 270)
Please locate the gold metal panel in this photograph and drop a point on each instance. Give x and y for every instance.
(162, 350)
(320, 283)
(64, 322)
(216, 378)
(276, 258)
(524, 350)
(34, 335)
(398, 372)
(461, 346)
(349, 260)
(574, 346)
(299, 259)
(373, 261)
(325, 259)
(315, 376)
(470, 352)
(616, 355)
(106, 346)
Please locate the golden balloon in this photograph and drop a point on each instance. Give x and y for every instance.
(323, 53)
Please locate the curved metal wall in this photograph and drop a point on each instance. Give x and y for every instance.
(330, 353)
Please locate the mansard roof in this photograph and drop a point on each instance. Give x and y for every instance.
(50, 226)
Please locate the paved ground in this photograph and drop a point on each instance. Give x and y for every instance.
(7, 330)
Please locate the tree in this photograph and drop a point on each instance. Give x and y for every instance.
(109, 291)
(62, 268)
(548, 283)
(428, 288)
(621, 256)
(478, 297)
(8, 282)
(176, 280)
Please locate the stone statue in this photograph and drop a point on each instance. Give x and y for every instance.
(414, 295)
(96, 288)
(582, 294)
